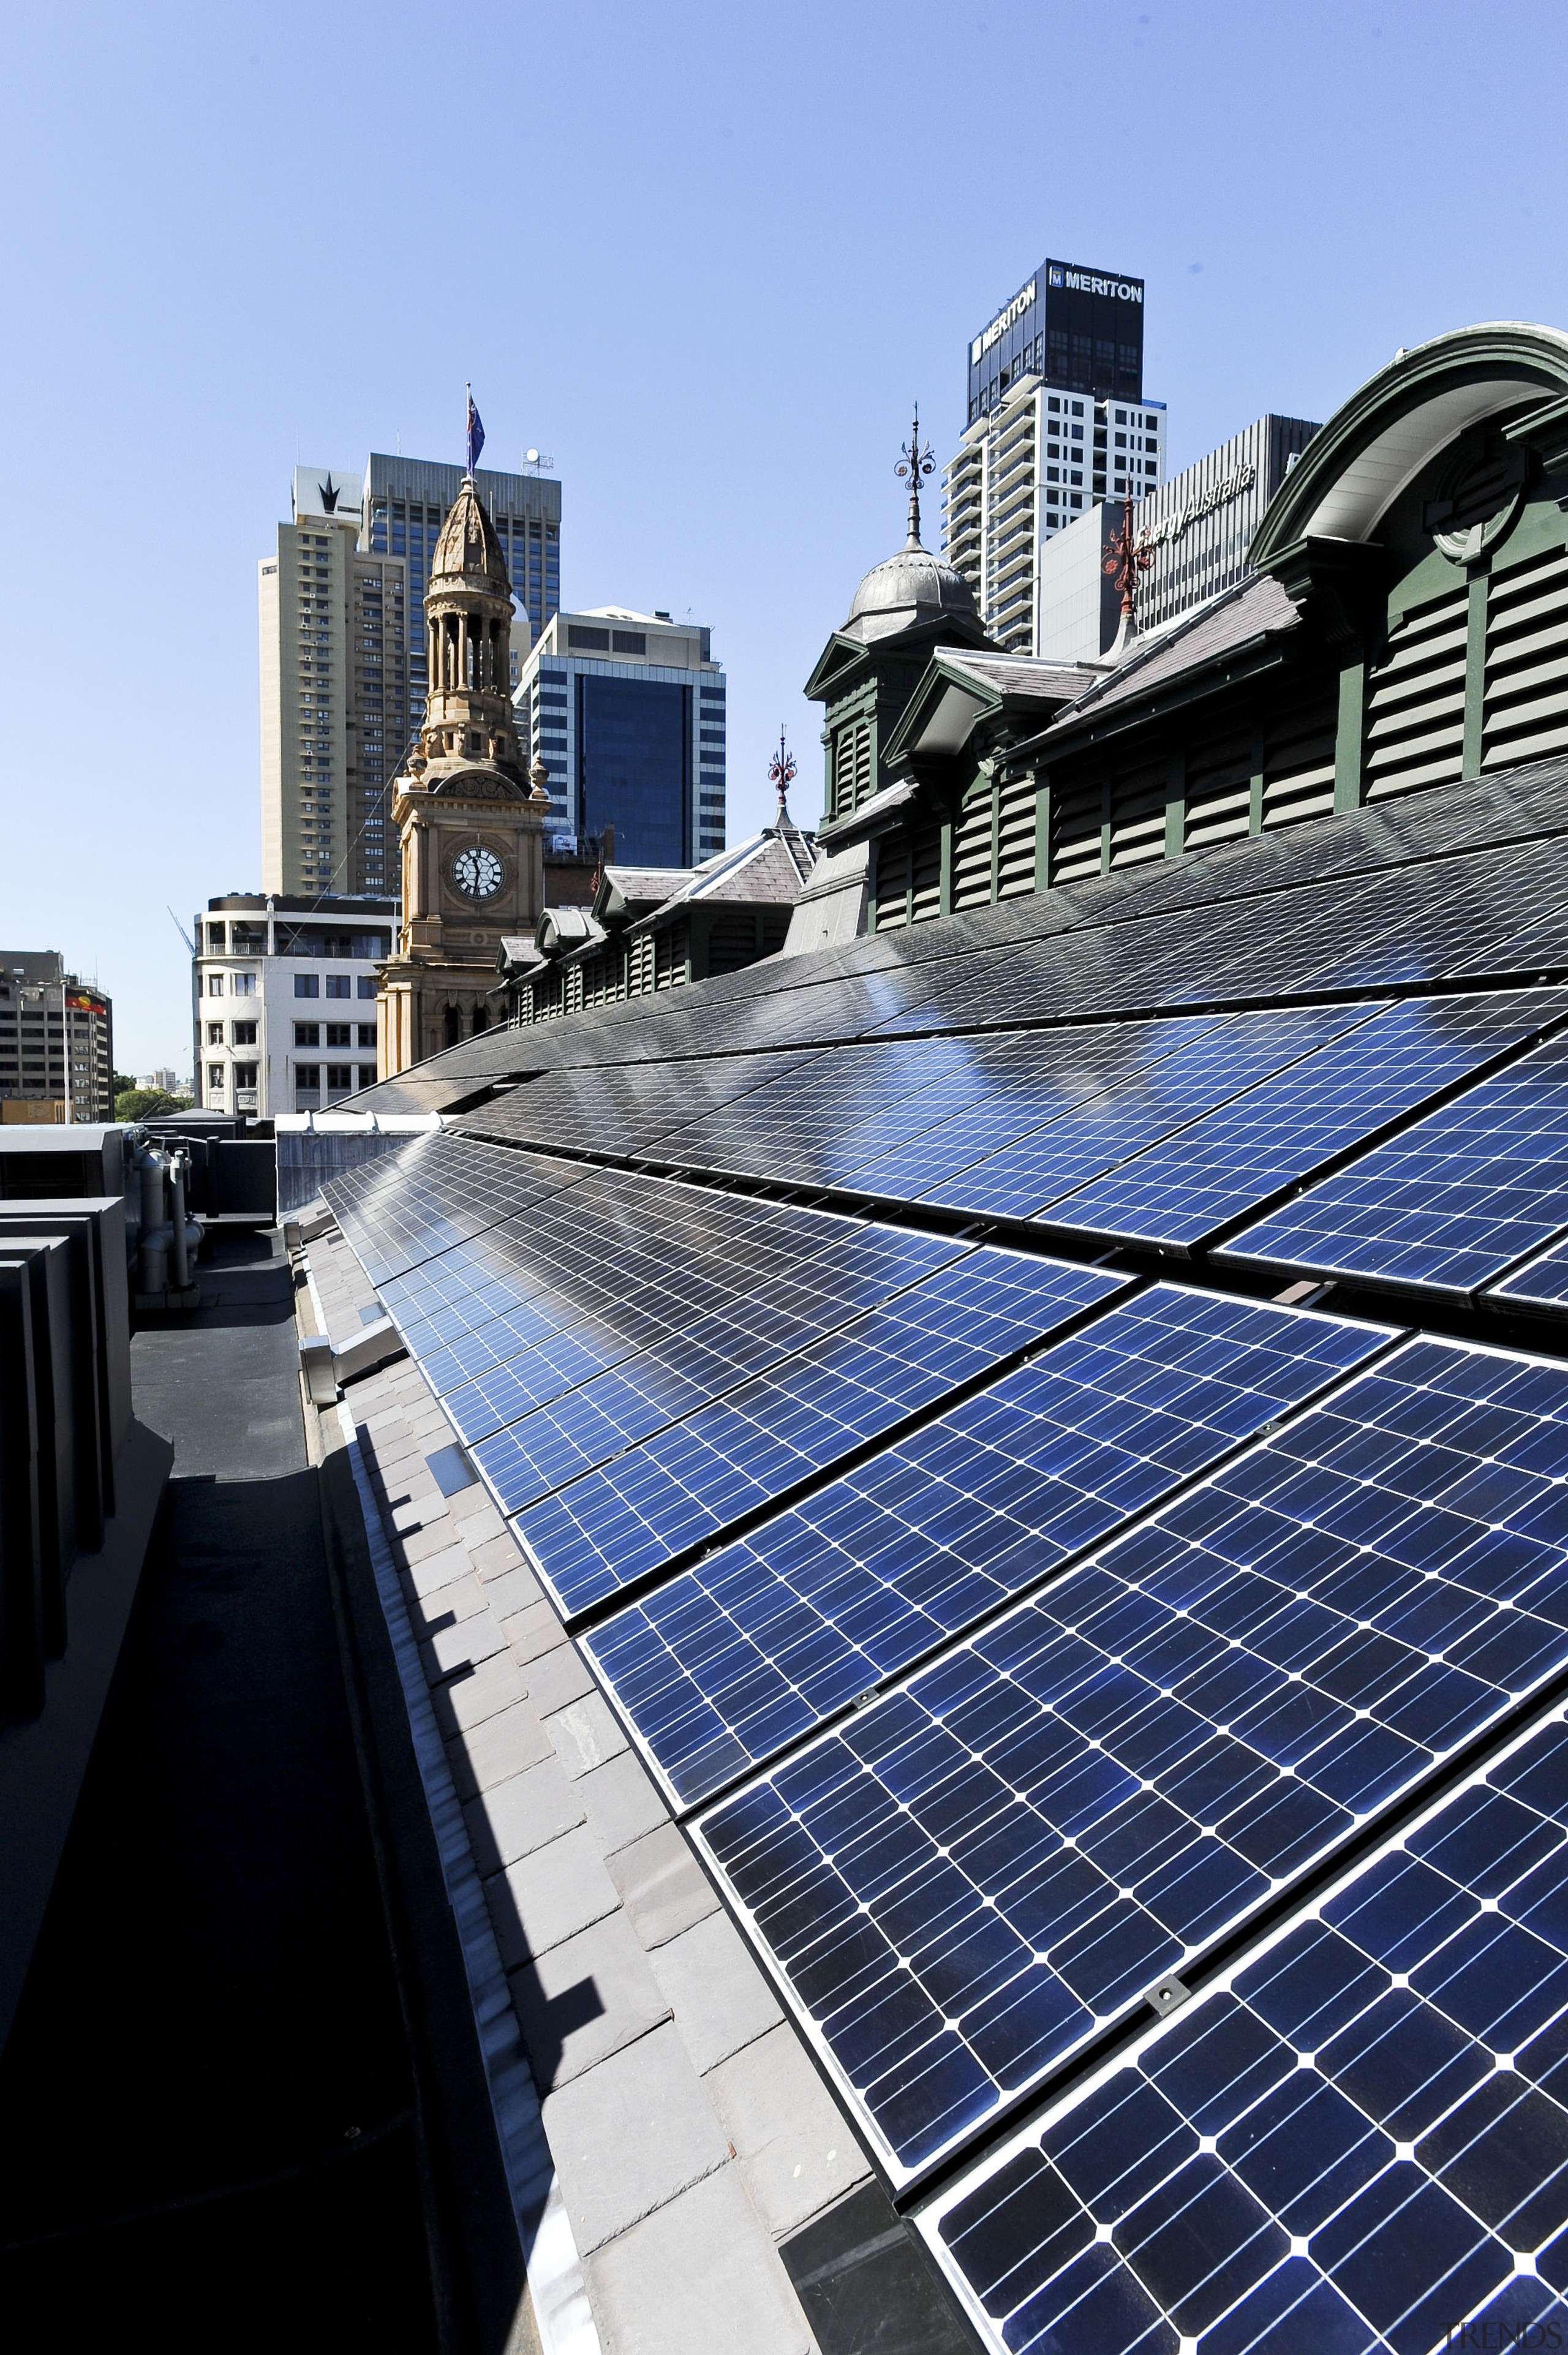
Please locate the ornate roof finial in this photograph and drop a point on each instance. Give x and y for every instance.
(1126, 559)
(914, 462)
(781, 774)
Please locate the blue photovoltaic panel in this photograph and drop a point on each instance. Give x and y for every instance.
(979, 1872)
(736, 1454)
(1540, 1284)
(1184, 1190)
(620, 1233)
(1357, 2141)
(1026, 1177)
(1039, 1076)
(436, 1190)
(527, 1445)
(726, 1664)
(1448, 1206)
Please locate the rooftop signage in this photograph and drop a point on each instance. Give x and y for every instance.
(1002, 321)
(1061, 275)
(1219, 495)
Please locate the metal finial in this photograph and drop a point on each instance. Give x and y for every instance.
(781, 773)
(914, 462)
(1126, 559)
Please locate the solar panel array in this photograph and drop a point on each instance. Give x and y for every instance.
(1042, 1627)
(1358, 2139)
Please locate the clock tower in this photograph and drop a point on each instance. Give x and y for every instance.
(469, 816)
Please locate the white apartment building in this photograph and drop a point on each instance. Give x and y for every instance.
(1026, 469)
(283, 1000)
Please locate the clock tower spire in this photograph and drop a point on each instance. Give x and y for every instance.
(470, 816)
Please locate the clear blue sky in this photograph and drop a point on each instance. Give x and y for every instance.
(707, 257)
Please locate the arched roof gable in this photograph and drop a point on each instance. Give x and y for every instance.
(1353, 470)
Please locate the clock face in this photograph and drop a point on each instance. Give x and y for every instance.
(477, 874)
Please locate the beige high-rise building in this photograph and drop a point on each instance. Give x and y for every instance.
(470, 815)
(335, 704)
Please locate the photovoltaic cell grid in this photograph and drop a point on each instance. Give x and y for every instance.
(1404, 925)
(752, 1650)
(1025, 1178)
(436, 1190)
(1541, 1283)
(739, 1452)
(1357, 2140)
(705, 1337)
(989, 1866)
(593, 1253)
(658, 1282)
(1450, 1205)
(1185, 1190)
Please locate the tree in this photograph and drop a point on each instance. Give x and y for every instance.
(147, 1103)
(123, 1081)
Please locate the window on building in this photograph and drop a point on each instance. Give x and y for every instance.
(215, 1034)
(367, 1075)
(244, 1076)
(339, 984)
(214, 1076)
(366, 1034)
(214, 984)
(307, 1075)
(306, 985)
(244, 1034)
(308, 1034)
(243, 984)
(337, 1034)
(340, 1075)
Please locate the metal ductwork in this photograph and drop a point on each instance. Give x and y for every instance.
(169, 1236)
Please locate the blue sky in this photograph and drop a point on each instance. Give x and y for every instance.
(706, 256)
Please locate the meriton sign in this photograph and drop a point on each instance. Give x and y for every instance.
(1001, 323)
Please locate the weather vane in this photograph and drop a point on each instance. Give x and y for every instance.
(914, 462)
(1126, 559)
(780, 771)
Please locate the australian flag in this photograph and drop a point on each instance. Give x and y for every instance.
(475, 433)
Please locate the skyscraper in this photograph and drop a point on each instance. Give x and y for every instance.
(335, 704)
(404, 502)
(626, 712)
(1058, 423)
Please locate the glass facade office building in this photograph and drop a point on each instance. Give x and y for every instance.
(406, 502)
(626, 712)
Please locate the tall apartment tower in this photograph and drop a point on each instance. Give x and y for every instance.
(334, 695)
(404, 503)
(1058, 423)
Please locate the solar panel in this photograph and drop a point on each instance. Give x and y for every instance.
(1025, 1178)
(1357, 2138)
(1448, 1206)
(740, 1453)
(753, 1647)
(885, 1117)
(1540, 1284)
(623, 1108)
(988, 1867)
(1289, 1128)
(437, 1190)
(688, 1341)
